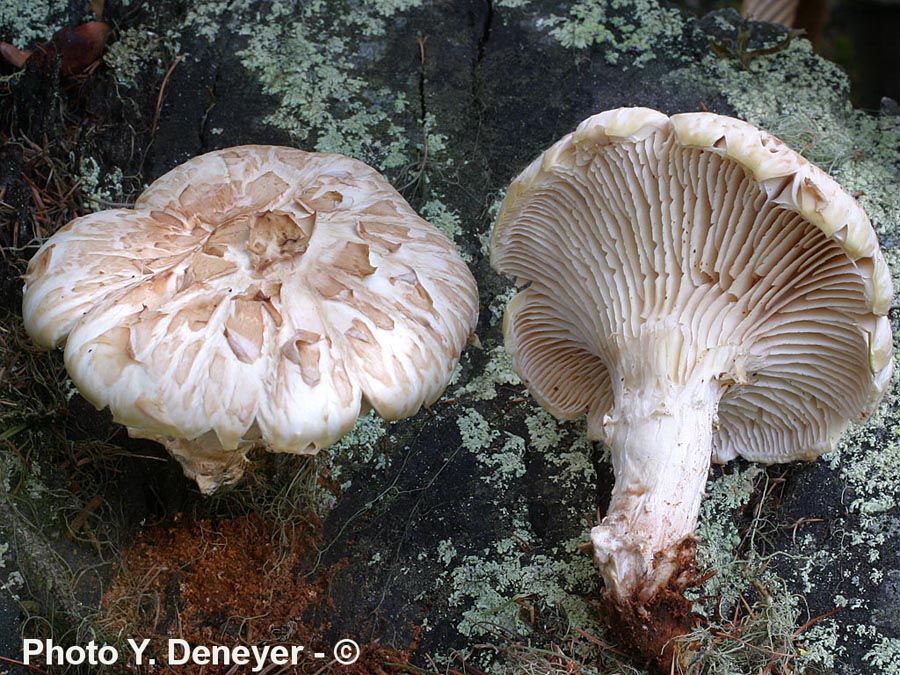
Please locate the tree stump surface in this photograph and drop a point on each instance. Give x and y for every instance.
(461, 525)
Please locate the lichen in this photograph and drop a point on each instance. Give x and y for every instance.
(23, 23)
(885, 655)
(565, 446)
(136, 50)
(634, 28)
(497, 372)
(361, 444)
(719, 538)
(505, 464)
(802, 98)
(310, 62)
(446, 220)
(496, 584)
(99, 187)
(498, 304)
(446, 552)
(206, 17)
(475, 431)
(299, 58)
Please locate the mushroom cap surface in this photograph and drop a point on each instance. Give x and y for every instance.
(254, 294)
(696, 243)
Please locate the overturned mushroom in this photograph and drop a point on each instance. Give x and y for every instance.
(254, 296)
(700, 291)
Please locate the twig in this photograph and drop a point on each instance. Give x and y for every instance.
(162, 91)
(23, 664)
(600, 643)
(815, 620)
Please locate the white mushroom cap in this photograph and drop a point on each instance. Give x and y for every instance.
(254, 295)
(761, 272)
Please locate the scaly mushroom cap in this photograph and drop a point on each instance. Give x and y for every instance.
(760, 270)
(254, 294)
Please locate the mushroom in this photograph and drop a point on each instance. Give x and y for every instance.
(254, 296)
(700, 291)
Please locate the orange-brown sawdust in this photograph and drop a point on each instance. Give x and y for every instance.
(227, 583)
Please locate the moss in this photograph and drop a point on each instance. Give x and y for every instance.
(636, 29)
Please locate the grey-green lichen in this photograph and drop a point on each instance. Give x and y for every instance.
(299, 58)
(566, 448)
(505, 462)
(322, 103)
(497, 584)
(308, 57)
(99, 188)
(634, 28)
(475, 431)
(499, 303)
(23, 23)
(206, 17)
(446, 220)
(446, 552)
(885, 655)
(502, 587)
(362, 443)
(497, 372)
(719, 536)
(135, 50)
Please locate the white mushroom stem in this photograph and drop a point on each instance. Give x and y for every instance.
(660, 437)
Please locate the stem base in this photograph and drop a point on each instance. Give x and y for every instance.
(650, 620)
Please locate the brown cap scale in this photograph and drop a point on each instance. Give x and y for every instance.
(256, 295)
(700, 291)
